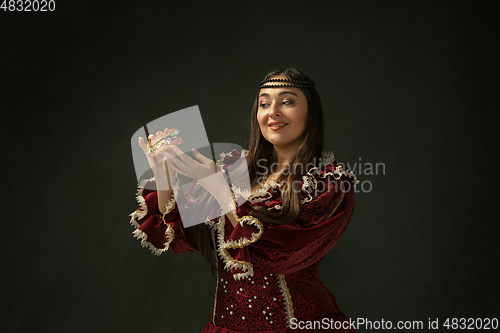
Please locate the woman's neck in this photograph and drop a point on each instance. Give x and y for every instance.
(285, 156)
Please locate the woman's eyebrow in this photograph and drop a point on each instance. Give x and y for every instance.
(281, 93)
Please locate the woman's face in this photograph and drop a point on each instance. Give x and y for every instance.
(282, 115)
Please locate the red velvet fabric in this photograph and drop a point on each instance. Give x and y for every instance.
(263, 282)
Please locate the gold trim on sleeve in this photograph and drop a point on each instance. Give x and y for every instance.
(142, 211)
(224, 247)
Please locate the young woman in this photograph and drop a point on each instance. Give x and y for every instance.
(269, 246)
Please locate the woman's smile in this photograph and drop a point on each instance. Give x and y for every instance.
(277, 125)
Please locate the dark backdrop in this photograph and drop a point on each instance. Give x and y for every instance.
(403, 83)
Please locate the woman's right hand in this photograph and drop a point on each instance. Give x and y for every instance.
(162, 170)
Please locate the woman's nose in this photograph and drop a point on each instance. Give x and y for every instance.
(274, 110)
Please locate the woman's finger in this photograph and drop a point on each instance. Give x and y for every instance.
(184, 158)
(179, 170)
(142, 144)
(203, 159)
(172, 158)
(158, 133)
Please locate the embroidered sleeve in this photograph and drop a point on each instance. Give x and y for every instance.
(160, 232)
(327, 211)
(323, 191)
(233, 242)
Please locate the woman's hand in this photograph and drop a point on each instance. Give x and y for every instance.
(162, 170)
(204, 171)
(186, 166)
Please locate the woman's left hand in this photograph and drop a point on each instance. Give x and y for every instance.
(204, 171)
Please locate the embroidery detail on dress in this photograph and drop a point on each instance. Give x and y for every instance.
(260, 195)
(342, 194)
(286, 297)
(143, 210)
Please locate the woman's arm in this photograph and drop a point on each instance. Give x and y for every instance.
(163, 172)
(165, 192)
(164, 196)
(205, 172)
(158, 221)
(156, 230)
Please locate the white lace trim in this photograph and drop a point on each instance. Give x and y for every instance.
(224, 247)
(309, 181)
(240, 192)
(143, 210)
(142, 236)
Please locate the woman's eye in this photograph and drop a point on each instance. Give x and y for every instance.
(263, 105)
(287, 102)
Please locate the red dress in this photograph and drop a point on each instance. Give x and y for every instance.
(267, 273)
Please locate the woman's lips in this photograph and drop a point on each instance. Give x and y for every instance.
(276, 128)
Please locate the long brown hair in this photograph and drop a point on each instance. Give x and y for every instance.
(261, 156)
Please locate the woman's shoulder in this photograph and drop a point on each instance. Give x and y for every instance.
(329, 167)
(327, 170)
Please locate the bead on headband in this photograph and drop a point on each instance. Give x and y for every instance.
(290, 84)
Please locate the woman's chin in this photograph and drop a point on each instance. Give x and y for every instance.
(279, 143)
(275, 141)
(279, 140)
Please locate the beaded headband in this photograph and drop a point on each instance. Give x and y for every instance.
(291, 84)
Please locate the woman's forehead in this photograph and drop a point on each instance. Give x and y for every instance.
(278, 92)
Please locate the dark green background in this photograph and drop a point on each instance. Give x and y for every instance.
(404, 83)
